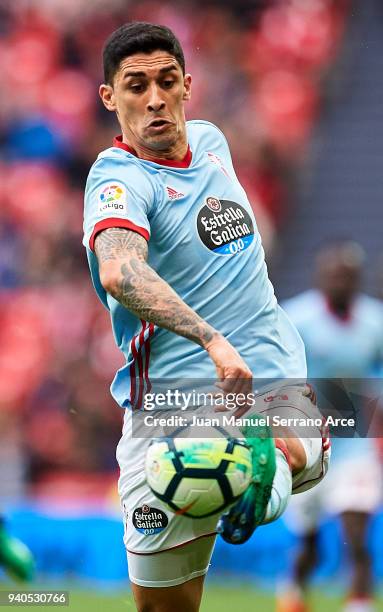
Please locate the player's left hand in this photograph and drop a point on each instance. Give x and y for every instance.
(234, 375)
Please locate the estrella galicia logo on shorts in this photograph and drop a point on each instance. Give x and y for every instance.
(224, 227)
(149, 520)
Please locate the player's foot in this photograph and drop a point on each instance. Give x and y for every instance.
(291, 600)
(238, 524)
(360, 604)
(15, 557)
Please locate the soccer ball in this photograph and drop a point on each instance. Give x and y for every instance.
(198, 477)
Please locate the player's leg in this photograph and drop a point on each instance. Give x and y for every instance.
(168, 554)
(186, 597)
(355, 496)
(302, 518)
(299, 463)
(171, 579)
(292, 598)
(306, 560)
(361, 591)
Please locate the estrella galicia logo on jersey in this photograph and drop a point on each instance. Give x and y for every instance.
(226, 229)
(149, 520)
(112, 199)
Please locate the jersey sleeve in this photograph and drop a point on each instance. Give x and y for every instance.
(117, 194)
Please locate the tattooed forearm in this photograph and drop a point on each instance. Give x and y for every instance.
(139, 288)
(143, 292)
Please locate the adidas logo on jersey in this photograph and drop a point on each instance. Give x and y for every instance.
(173, 194)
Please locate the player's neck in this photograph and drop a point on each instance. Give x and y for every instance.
(340, 309)
(176, 153)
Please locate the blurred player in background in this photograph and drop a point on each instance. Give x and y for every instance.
(170, 233)
(15, 557)
(342, 330)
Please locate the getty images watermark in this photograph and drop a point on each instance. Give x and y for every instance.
(347, 407)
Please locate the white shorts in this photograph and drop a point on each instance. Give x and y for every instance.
(172, 567)
(184, 545)
(290, 403)
(352, 485)
(152, 532)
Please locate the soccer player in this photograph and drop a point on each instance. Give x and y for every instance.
(342, 330)
(176, 258)
(15, 557)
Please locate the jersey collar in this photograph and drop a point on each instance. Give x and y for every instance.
(345, 317)
(183, 163)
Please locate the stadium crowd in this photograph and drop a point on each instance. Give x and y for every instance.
(261, 79)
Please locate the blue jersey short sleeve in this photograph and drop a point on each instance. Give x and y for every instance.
(116, 195)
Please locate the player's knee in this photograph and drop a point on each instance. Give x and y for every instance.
(317, 459)
(310, 547)
(145, 607)
(297, 453)
(152, 607)
(187, 597)
(150, 604)
(165, 606)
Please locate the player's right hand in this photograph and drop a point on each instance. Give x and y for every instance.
(233, 373)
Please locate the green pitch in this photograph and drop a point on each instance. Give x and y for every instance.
(216, 599)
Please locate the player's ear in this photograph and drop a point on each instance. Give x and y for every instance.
(107, 96)
(187, 87)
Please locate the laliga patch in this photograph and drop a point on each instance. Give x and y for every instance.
(149, 520)
(224, 227)
(112, 199)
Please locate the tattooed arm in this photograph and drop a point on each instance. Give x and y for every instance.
(125, 274)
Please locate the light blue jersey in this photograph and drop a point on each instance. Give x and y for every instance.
(340, 348)
(203, 240)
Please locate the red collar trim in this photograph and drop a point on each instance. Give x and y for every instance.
(183, 163)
